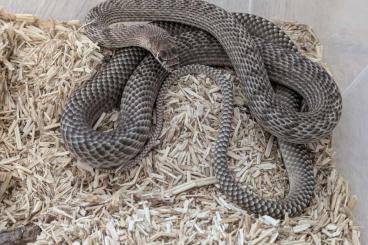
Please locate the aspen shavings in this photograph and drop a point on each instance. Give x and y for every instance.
(171, 197)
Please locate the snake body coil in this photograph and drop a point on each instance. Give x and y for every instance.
(204, 34)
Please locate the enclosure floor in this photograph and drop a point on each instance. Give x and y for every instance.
(171, 198)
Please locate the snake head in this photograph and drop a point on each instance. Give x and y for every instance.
(166, 52)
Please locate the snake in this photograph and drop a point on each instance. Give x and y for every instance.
(290, 96)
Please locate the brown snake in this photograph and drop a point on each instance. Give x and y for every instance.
(187, 32)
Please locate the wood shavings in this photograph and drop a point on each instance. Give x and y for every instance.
(307, 40)
(171, 198)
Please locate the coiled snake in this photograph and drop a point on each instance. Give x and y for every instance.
(191, 34)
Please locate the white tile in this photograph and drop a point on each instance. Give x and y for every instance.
(350, 141)
(58, 9)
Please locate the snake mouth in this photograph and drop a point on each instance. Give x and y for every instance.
(167, 54)
(170, 64)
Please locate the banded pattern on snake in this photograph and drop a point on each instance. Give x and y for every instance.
(189, 32)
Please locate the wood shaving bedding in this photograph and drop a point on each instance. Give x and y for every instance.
(171, 198)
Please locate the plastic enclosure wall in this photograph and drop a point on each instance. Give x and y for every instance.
(343, 30)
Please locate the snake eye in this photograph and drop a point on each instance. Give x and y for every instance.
(163, 54)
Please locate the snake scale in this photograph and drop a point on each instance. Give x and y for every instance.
(290, 96)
